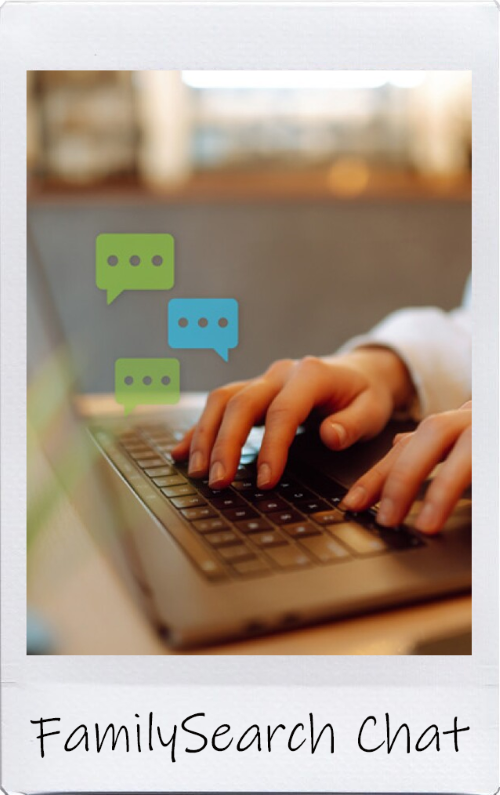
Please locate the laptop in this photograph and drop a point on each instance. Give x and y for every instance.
(209, 566)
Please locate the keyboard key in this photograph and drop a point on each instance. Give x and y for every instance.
(227, 501)
(239, 552)
(151, 427)
(158, 435)
(180, 491)
(284, 517)
(144, 463)
(165, 447)
(266, 506)
(356, 538)
(190, 501)
(170, 480)
(207, 525)
(159, 472)
(298, 495)
(287, 484)
(203, 487)
(301, 530)
(159, 438)
(312, 506)
(222, 538)
(139, 450)
(128, 436)
(251, 568)
(255, 495)
(269, 539)
(243, 485)
(203, 512)
(143, 453)
(238, 514)
(327, 517)
(149, 461)
(325, 549)
(290, 557)
(253, 525)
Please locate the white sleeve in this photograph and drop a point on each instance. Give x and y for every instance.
(436, 347)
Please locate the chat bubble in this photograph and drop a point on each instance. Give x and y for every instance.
(146, 382)
(203, 323)
(133, 262)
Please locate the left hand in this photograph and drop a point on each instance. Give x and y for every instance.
(396, 478)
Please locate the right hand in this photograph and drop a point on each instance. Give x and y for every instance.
(355, 395)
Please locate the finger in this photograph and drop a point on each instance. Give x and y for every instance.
(309, 385)
(447, 487)
(427, 447)
(205, 431)
(363, 418)
(243, 411)
(181, 450)
(367, 489)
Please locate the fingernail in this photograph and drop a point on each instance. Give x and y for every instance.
(340, 432)
(355, 498)
(428, 518)
(263, 475)
(217, 473)
(195, 463)
(386, 514)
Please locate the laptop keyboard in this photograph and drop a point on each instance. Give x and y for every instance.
(241, 531)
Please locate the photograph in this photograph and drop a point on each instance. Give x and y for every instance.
(249, 362)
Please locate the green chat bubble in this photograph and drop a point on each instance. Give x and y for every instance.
(133, 262)
(147, 382)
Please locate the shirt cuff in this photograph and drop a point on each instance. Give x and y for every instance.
(435, 346)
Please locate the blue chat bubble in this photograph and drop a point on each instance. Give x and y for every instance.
(203, 323)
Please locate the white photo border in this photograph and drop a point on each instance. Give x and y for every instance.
(227, 35)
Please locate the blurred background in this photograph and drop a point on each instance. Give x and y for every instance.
(321, 201)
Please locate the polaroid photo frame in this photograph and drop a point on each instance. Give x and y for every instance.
(453, 699)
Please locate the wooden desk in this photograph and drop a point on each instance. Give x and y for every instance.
(78, 592)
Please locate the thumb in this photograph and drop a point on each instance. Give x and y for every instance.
(361, 419)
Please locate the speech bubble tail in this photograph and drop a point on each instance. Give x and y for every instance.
(127, 410)
(223, 353)
(110, 296)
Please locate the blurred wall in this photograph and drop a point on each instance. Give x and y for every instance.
(308, 275)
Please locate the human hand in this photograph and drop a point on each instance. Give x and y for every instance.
(397, 477)
(355, 395)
